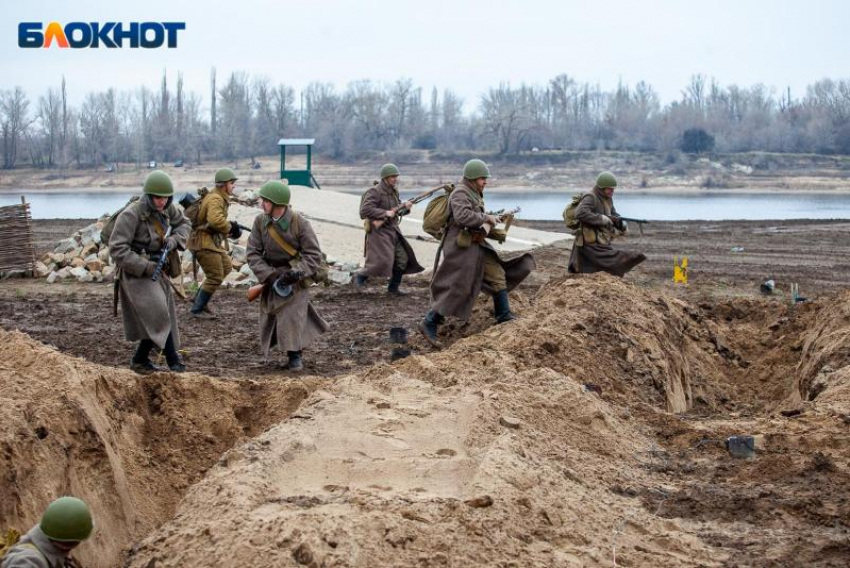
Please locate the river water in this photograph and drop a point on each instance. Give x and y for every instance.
(709, 206)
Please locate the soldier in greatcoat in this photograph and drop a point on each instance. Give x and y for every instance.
(469, 263)
(284, 254)
(138, 241)
(592, 250)
(388, 254)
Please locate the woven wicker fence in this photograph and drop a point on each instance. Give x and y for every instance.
(16, 242)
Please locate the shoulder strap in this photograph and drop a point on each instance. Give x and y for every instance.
(160, 230)
(274, 233)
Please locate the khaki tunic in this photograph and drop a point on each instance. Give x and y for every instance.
(213, 226)
(290, 323)
(459, 277)
(592, 250)
(147, 307)
(381, 243)
(209, 239)
(44, 555)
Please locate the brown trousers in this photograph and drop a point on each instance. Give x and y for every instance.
(216, 267)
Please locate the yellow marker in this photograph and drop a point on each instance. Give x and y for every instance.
(680, 271)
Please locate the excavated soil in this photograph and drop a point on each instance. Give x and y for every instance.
(128, 445)
(591, 432)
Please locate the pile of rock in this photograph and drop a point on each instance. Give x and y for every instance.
(248, 197)
(81, 257)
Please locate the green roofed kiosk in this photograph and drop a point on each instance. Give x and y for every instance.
(298, 177)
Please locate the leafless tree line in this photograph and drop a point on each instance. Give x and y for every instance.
(244, 117)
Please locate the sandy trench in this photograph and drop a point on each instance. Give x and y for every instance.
(493, 452)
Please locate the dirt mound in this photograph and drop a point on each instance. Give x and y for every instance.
(491, 452)
(128, 445)
(590, 432)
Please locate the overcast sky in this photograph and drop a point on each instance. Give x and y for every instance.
(467, 45)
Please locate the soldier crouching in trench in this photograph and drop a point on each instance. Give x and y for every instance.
(143, 231)
(284, 254)
(470, 263)
(597, 217)
(64, 525)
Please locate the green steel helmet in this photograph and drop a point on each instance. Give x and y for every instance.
(389, 170)
(225, 174)
(67, 519)
(475, 169)
(275, 191)
(159, 183)
(606, 179)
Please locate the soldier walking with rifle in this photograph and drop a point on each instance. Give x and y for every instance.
(144, 243)
(387, 251)
(596, 220)
(284, 254)
(209, 239)
(470, 263)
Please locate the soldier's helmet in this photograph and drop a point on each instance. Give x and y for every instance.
(67, 519)
(225, 175)
(606, 179)
(475, 169)
(159, 183)
(275, 191)
(389, 170)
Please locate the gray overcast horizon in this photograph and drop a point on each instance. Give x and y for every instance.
(467, 45)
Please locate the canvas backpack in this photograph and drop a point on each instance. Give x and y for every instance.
(109, 226)
(437, 214)
(193, 211)
(569, 213)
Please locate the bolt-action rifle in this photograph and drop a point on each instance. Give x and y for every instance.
(400, 210)
(488, 232)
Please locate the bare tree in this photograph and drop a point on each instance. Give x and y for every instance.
(14, 121)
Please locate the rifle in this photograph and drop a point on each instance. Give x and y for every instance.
(163, 258)
(401, 210)
(502, 216)
(640, 222)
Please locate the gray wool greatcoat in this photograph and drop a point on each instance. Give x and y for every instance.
(592, 250)
(147, 307)
(459, 277)
(291, 323)
(35, 550)
(381, 243)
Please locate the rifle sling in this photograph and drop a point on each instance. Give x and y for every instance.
(278, 238)
(160, 230)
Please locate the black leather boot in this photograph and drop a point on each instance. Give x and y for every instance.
(141, 362)
(502, 307)
(199, 308)
(395, 282)
(172, 357)
(295, 362)
(428, 327)
(360, 280)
